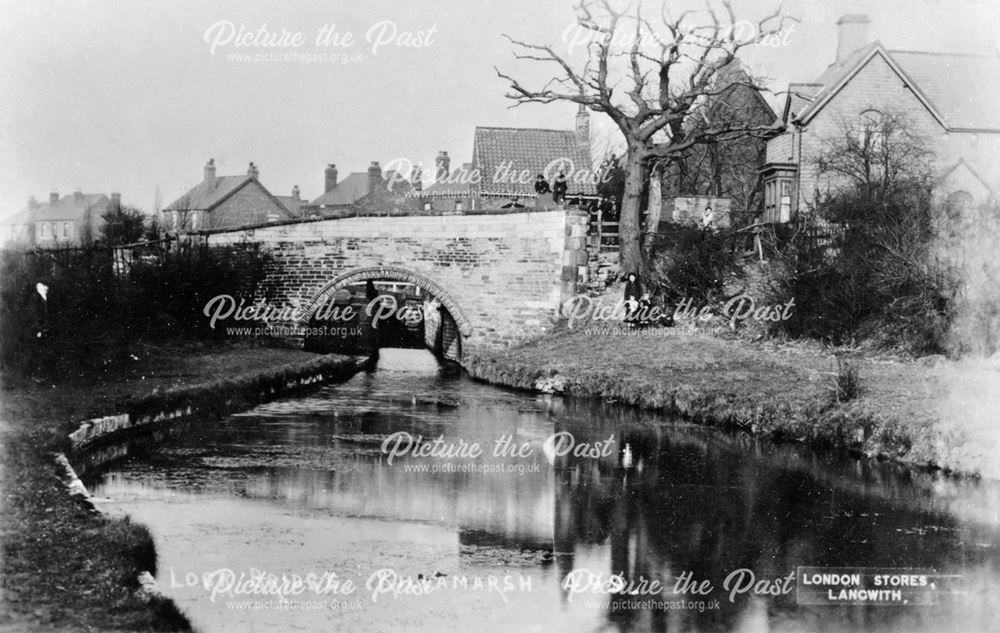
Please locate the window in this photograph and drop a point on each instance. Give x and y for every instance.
(427, 206)
(778, 200)
(43, 230)
(194, 220)
(65, 230)
(458, 206)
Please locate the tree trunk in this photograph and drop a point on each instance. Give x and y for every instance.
(630, 257)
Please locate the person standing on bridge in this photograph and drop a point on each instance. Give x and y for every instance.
(559, 188)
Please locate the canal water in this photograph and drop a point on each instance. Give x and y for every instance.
(338, 511)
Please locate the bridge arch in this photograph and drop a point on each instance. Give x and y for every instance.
(393, 273)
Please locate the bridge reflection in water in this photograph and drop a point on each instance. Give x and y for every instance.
(304, 484)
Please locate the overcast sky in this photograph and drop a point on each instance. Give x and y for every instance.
(129, 96)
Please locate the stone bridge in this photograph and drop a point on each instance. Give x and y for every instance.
(500, 276)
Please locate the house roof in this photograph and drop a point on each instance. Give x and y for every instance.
(203, 197)
(69, 207)
(531, 151)
(347, 191)
(965, 89)
(960, 90)
(291, 203)
(456, 185)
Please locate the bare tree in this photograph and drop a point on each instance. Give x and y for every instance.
(649, 72)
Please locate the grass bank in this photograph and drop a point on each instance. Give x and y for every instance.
(931, 414)
(64, 567)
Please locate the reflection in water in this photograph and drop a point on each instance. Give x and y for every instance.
(303, 485)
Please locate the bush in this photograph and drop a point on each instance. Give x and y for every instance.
(97, 316)
(689, 262)
(845, 382)
(877, 280)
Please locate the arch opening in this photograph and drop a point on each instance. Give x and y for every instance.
(392, 304)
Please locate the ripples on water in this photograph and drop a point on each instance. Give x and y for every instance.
(302, 486)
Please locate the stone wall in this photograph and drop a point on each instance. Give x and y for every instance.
(503, 276)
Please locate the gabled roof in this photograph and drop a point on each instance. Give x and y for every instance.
(961, 165)
(960, 90)
(347, 191)
(965, 88)
(203, 197)
(529, 150)
(69, 207)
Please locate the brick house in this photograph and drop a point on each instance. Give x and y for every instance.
(371, 192)
(950, 99)
(73, 220)
(505, 162)
(224, 201)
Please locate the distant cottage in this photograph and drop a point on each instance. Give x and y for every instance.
(72, 220)
(225, 202)
(952, 99)
(366, 192)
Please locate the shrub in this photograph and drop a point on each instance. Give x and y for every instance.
(97, 316)
(689, 262)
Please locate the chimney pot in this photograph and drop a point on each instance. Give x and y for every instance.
(442, 165)
(331, 177)
(116, 198)
(374, 176)
(53, 197)
(583, 127)
(852, 34)
(253, 171)
(210, 174)
(295, 192)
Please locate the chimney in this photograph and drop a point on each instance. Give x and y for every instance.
(32, 203)
(295, 192)
(331, 177)
(852, 34)
(78, 194)
(583, 127)
(210, 174)
(374, 176)
(53, 197)
(416, 178)
(252, 171)
(443, 166)
(116, 199)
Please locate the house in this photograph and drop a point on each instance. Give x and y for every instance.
(370, 192)
(950, 98)
(294, 202)
(73, 220)
(505, 163)
(223, 202)
(727, 172)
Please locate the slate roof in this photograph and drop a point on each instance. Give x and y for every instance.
(203, 198)
(348, 191)
(531, 150)
(965, 89)
(292, 203)
(69, 207)
(962, 89)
